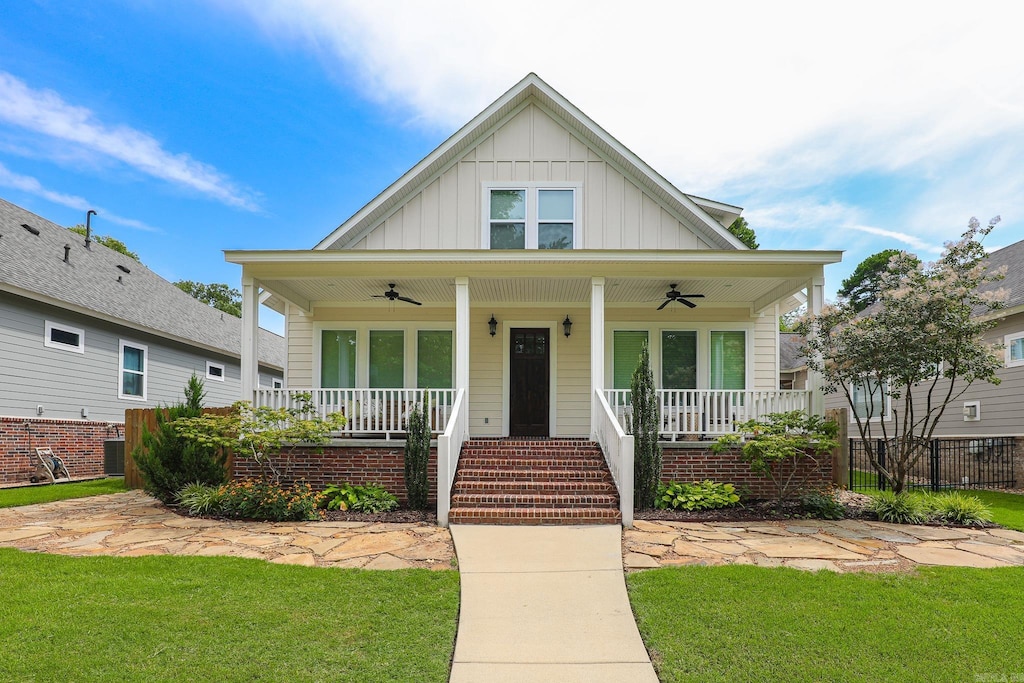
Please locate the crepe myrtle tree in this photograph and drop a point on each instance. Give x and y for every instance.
(901, 362)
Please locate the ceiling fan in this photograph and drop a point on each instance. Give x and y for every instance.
(392, 296)
(674, 295)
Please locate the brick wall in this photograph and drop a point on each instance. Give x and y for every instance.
(319, 467)
(698, 464)
(78, 442)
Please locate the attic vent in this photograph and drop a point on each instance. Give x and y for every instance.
(34, 231)
(123, 268)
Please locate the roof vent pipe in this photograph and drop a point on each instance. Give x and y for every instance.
(67, 252)
(88, 227)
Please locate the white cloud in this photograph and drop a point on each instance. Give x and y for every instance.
(32, 186)
(912, 241)
(44, 112)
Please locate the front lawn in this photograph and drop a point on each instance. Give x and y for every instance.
(741, 623)
(220, 619)
(1007, 508)
(30, 495)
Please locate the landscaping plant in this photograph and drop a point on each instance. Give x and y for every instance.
(417, 454)
(703, 495)
(645, 423)
(960, 509)
(905, 507)
(358, 498)
(788, 448)
(167, 460)
(200, 499)
(822, 505)
(912, 353)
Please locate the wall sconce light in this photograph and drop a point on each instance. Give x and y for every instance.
(972, 411)
(492, 325)
(567, 326)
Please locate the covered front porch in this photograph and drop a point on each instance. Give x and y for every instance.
(530, 344)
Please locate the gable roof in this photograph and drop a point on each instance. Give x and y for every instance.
(105, 284)
(791, 355)
(695, 211)
(1013, 258)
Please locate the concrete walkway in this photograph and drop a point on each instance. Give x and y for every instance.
(545, 604)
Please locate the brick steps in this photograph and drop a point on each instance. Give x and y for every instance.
(533, 481)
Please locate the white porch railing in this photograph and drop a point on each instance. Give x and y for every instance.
(449, 447)
(368, 412)
(617, 447)
(708, 412)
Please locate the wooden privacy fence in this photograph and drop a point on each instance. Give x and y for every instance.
(841, 456)
(134, 421)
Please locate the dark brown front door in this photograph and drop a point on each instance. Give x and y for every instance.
(528, 382)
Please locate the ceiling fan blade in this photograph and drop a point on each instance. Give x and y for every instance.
(691, 296)
(409, 301)
(664, 303)
(687, 303)
(378, 296)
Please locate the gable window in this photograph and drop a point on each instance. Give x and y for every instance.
(531, 216)
(1014, 349)
(870, 399)
(434, 359)
(214, 371)
(59, 336)
(133, 361)
(338, 359)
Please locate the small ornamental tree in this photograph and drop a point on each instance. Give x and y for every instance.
(645, 423)
(903, 360)
(417, 454)
(268, 436)
(787, 448)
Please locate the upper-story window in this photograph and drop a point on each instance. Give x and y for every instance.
(59, 336)
(531, 216)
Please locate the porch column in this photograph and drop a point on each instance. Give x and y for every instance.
(815, 297)
(462, 334)
(250, 346)
(596, 347)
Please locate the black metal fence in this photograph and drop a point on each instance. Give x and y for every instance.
(945, 463)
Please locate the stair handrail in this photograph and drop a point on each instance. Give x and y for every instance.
(617, 448)
(449, 447)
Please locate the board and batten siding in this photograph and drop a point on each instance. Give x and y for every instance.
(531, 146)
(64, 382)
(1002, 405)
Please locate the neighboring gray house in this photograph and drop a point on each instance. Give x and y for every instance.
(86, 332)
(792, 364)
(988, 410)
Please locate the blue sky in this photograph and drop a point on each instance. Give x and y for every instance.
(196, 126)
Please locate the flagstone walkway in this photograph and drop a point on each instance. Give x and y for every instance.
(133, 524)
(840, 546)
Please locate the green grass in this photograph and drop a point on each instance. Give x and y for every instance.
(30, 495)
(1007, 508)
(220, 619)
(741, 623)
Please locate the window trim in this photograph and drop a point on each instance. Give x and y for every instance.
(215, 378)
(121, 370)
(1007, 341)
(50, 344)
(532, 222)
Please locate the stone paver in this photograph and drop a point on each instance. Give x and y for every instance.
(133, 524)
(814, 545)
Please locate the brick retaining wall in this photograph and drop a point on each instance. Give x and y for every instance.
(384, 465)
(78, 442)
(689, 464)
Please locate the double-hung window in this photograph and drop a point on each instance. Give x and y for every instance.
(626, 346)
(387, 359)
(134, 360)
(531, 216)
(870, 399)
(678, 359)
(729, 360)
(1014, 349)
(434, 359)
(338, 359)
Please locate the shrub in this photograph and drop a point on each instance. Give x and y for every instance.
(704, 495)
(644, 426)
(417, 454)
(822, 504)
(167, 461)
(200, 499)
(262, 500)
(900, 508)
(358, 498)
(958, 508)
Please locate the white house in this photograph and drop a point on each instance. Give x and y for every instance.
(516, 271)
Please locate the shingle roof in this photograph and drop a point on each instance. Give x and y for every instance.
(790, 357)
(1013, 258)
(94, 282)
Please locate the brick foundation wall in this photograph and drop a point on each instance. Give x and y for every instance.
(79, 443)
(697, 464)
(384, 465)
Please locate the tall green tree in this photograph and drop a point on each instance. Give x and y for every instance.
(862, 288)
(744, 232)
(218, 295)
(109, 241)
(645, 426)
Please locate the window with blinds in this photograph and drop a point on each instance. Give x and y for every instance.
(729, 360)
(626, 345)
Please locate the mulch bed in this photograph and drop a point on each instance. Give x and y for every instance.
(398, 516)
(752, 511)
